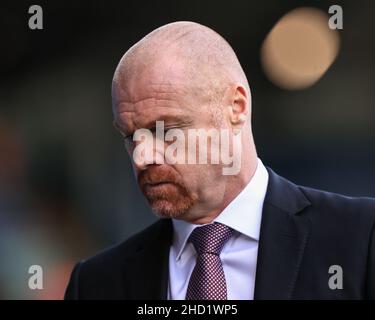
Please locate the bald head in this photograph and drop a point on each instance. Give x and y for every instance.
(182, 51)
(186, 76)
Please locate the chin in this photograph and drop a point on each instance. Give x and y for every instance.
(167, 209)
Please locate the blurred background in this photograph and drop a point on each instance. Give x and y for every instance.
(66, 187)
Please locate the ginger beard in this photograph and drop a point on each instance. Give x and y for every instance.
(165, 191)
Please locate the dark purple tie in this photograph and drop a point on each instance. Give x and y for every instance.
(207, 282)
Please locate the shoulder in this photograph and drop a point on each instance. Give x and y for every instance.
(112, 256)
(315, 203)
(102, 276)
(332, 215)
(347, 207)
(339, 220)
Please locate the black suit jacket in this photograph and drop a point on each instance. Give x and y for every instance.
(303, 232)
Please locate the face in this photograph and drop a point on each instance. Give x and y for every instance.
(183, 191)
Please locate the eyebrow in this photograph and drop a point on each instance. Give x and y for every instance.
(151, 125)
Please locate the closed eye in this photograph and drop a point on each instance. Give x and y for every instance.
(130, 137)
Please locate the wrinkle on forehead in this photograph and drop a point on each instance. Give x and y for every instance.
(157, 94)
(132, 115)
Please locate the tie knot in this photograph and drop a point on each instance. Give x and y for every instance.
(210, 238)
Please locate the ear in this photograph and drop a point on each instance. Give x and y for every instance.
(238, 109)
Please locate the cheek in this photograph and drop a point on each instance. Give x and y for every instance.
(190, 175)
(198, 178)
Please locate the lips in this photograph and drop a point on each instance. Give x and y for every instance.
(156, 184)
(153, 184)
(160, 190)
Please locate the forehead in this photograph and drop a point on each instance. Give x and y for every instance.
(148, 95)
(164, 89)
(171, 102)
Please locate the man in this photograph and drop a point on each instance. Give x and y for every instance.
(247, 235)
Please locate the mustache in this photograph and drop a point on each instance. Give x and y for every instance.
(159, 174)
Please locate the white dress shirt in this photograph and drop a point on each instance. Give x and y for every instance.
(239, 254)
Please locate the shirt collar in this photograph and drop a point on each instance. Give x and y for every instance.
(243, 214)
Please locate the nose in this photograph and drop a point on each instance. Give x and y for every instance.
(147, 152)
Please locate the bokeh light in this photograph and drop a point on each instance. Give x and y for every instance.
(299, 49)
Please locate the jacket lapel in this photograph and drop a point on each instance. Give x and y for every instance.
(146, 274)
(283, 237)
